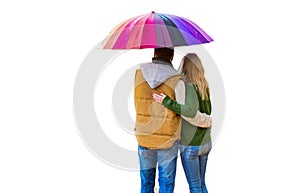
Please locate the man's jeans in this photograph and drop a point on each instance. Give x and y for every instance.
(194, 160)
(166, 159)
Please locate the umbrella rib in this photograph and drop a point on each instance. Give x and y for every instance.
(142, 31)
(203, 34)
(173, 30)
(159, 28)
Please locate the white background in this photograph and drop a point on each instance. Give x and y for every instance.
(43, 43)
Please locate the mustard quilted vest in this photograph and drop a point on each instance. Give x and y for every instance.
(156, 126)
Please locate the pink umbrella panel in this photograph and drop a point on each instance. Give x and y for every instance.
(155, 30)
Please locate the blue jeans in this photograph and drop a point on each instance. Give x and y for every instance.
(194, 160)
(166, 160)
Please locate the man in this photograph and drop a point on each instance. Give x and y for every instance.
(157, 128)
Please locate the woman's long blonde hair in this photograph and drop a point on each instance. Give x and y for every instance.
(192, 69)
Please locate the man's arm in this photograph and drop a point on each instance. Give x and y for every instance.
(200, 120)
(180, 92)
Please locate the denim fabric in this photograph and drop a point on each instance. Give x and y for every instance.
(194, 160)
(166, 160)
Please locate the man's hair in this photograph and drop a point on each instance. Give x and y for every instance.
(166, 53)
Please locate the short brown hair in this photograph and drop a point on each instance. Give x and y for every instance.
(166, 53)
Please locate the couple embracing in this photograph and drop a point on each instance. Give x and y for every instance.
(172, 112)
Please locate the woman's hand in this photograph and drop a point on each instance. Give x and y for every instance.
(158, 97)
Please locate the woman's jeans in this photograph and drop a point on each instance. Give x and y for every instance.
(166, 160)
(194, 160)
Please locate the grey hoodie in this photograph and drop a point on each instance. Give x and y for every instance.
(157, 73)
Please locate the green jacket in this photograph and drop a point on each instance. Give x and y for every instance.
(191, 135)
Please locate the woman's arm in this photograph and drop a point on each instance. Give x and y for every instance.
(190, 106)
(189, 110)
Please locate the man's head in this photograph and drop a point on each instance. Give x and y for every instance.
(166, 53)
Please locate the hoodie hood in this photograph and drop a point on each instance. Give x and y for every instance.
(157, 73)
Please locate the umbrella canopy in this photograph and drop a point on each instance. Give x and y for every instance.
(155, 30)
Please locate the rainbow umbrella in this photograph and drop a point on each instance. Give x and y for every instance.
(155, 30)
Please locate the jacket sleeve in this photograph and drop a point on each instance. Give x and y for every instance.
(189, 108)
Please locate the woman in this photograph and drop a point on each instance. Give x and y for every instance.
(195, 143)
